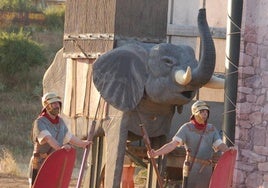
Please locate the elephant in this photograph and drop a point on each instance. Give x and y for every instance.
(146, 83)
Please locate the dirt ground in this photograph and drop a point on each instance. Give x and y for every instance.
(7, 181)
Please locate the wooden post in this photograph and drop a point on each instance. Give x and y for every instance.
(93, 27)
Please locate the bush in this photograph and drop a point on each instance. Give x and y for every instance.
(55, 17)
(8, 164)
(16, 5)
(18, 53)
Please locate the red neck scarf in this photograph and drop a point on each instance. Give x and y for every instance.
(197, 125)
(53, 121)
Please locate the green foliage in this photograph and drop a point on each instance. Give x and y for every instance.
(18, 53)
(55, 17)
(18, 110)
(16, 5)
(23, 62)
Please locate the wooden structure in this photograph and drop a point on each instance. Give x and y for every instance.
(109, 21)
(87, 35)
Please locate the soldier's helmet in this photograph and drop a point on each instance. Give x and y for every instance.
(199, 105)
(49, 98)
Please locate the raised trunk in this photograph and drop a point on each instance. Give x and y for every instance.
(203, 72)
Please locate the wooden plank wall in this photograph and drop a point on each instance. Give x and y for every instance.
(84, 18)
(94, 27)
(144, 20)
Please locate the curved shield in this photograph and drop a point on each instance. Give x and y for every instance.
(56, 171)
(222, 175)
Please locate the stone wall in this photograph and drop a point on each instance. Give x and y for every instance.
(252, 98)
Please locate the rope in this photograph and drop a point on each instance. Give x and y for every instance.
(226, 136)
(80, 48)
(232, 63)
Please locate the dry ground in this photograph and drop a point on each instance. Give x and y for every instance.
(7, 181)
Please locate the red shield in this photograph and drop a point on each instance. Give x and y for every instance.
(56, 170)
(222, 176)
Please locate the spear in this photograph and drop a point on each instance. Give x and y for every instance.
(148, 146)
(85, 155)
(90, 137)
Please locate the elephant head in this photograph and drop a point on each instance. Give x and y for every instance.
(166, 73)
(147, 81)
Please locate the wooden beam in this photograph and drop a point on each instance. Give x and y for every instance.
(192, 31)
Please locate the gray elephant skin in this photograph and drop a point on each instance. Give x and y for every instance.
(146, 83)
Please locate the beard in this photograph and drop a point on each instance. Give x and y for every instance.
(54, 111)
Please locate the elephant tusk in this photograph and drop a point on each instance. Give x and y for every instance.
(215, 83)
(182, 77)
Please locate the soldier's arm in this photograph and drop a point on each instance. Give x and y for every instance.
(52, 142)
(165, 149)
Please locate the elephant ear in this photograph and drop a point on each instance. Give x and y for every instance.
(120, 75)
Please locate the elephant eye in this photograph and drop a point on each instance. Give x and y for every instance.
(168, 61)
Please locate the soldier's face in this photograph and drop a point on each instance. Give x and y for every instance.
(201, 116)
(54, 108)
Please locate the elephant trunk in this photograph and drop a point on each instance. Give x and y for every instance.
(203, 72)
